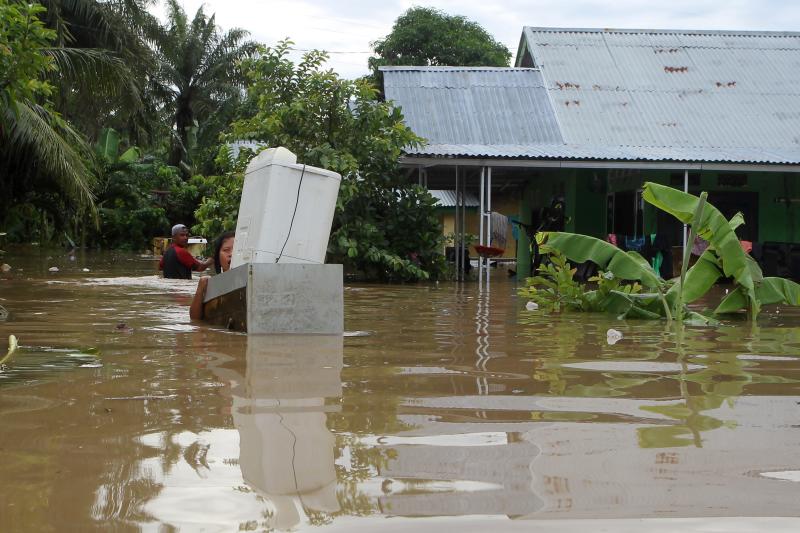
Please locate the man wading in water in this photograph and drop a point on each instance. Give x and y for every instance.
(177, 262)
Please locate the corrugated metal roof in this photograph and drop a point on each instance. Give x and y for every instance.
(730, 94)
(650, 95)
(447, 198)
(473, 105)
(613, 153)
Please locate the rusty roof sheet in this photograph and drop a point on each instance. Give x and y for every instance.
(649, 95)
(695, 90)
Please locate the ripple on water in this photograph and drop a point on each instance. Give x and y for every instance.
(39, 363)
(156, 283)
(786, 475)
(633, 366)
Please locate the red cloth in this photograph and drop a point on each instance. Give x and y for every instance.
(184, 257)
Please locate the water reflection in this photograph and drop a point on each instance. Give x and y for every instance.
(282, 474)
(286, 450)
(448, 402)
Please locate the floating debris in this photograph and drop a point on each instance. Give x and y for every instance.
(5, 267)
(12, 347)
(531, 306)
(613, 336)
(85, 269)
(358, 333)
(123, 328)
(53, 269)
(145, 397)
(3, 313)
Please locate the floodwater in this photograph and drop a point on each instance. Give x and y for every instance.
(443, 407)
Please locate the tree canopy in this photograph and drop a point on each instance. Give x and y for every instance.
(35, 141)
(427, 36)
(109, 119)
(383, 228)
(198, 77)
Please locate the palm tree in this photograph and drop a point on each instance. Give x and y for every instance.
(198, 75)
(103, 47)
(34, 139)
(61, 51)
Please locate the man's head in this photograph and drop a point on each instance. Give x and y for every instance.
(180, 235)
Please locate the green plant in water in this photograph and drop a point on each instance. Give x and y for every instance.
(723, 258)
(555, 288)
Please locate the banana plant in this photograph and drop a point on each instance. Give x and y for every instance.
(723, 258)
(624, 265)
(107, 149)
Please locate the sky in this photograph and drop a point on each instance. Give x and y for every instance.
(346, 28)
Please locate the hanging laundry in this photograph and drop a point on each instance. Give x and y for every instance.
(635, 244)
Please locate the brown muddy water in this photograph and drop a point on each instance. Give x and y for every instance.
(446, 406)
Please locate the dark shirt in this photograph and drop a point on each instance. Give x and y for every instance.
(178, 263)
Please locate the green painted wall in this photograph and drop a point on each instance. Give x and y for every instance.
(585, 194)
(590, 203)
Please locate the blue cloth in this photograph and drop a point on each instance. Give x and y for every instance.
(635, 244)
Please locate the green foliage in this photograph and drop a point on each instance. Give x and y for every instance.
(199, 79)
(724, 257)
(45, 165)
(383, 228)
(138, 197)
(713, 227)
(68, 68)
(625, 265)
(22, 63)
(555, 286)
(427, 36)
(770, 290)
(555, 289)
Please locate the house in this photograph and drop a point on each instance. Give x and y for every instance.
(586, 116)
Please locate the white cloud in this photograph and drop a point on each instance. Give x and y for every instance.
(346, 28)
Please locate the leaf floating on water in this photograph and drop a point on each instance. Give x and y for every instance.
(12, 347)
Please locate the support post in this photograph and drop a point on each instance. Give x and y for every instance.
(481, 240)
(464, 247)
(457, 232)
(489, 208)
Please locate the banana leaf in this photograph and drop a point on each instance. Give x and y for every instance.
(107, 147)
(624, 305)
(131, 155)
(769, 291)
(714, 228)
(624, 265)
(699, 279)
(12, 347)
